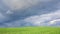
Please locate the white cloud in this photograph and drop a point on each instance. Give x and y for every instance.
(44, 19)
(21, 4)
(54, 21)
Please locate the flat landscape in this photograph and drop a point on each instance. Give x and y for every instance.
(30, 30)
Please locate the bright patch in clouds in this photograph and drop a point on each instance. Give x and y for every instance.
(54, 21)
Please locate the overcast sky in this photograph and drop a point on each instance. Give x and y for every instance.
(17, 13)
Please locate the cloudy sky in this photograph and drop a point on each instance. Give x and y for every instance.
(17, 13)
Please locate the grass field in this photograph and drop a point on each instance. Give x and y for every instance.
(30, 30)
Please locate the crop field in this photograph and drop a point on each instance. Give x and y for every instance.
(30, 30)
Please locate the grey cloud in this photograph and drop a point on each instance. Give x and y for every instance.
(14, 15)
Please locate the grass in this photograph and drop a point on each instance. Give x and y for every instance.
(30, 30)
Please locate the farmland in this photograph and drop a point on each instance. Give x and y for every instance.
(30, 30)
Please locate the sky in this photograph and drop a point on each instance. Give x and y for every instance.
(18, 13)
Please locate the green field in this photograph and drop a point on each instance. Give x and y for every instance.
(31, 30)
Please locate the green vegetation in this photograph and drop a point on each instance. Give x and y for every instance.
(30, 30)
